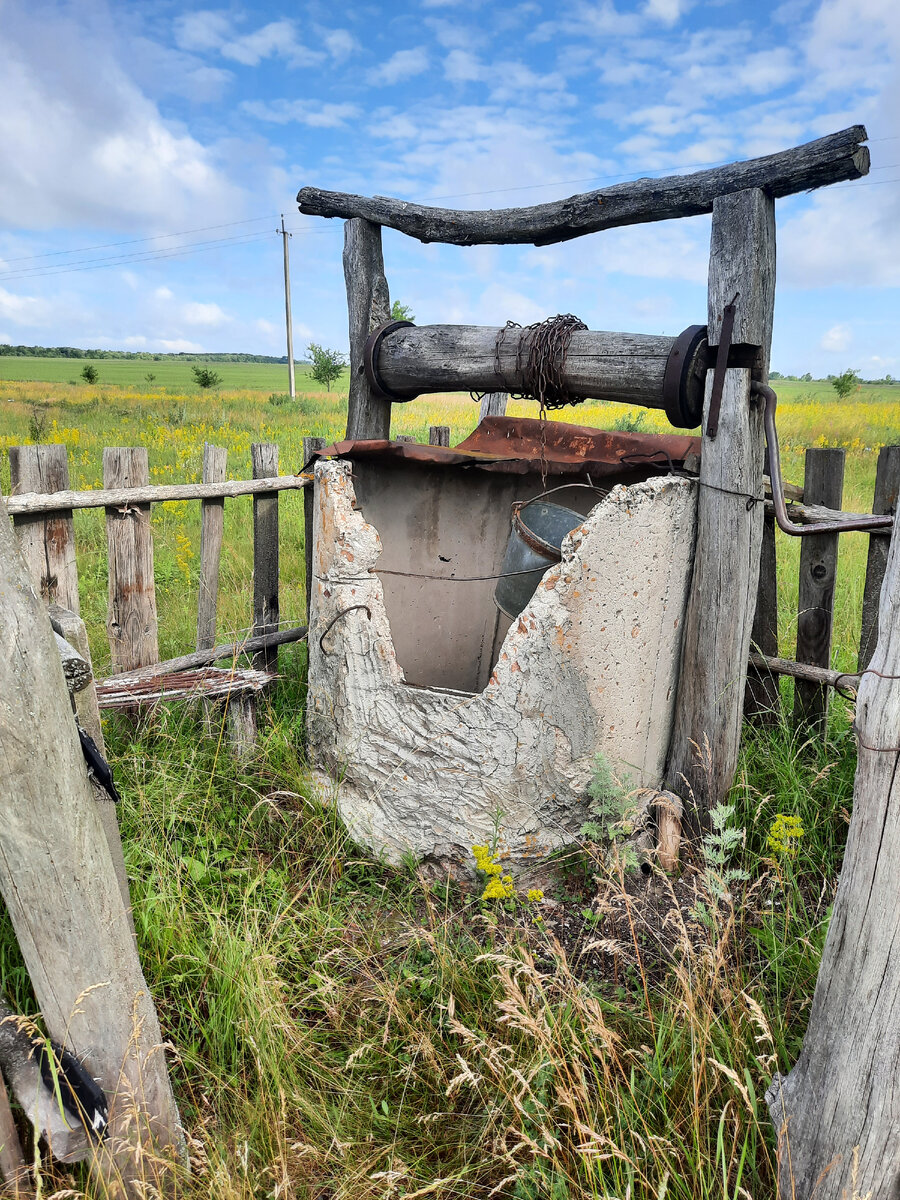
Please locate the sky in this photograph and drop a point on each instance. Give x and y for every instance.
(150, 148)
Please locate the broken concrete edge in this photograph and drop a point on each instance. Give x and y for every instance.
(586, 668)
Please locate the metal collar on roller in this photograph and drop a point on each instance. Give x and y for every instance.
(370, 360)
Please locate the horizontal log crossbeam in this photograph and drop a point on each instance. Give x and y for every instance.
(40, 502)
(832, 159)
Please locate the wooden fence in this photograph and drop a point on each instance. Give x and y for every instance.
(42, 505)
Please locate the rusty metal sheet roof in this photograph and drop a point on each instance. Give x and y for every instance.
(513, 444)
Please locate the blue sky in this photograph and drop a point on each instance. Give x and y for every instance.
(126, 121)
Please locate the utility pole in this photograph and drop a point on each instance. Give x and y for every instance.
(287, 311)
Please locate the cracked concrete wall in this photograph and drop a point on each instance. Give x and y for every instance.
(591, 664)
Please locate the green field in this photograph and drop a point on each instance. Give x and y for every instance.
(170, 373)
(347, 1031)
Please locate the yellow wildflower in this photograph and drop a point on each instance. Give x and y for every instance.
(785, 834)
(535, 895)
(499, 889)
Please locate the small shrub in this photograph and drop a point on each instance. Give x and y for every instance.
(401, 312)
(326, 364)
(89, 373)
(279, 400)
(631, 422)
(844, 384)
(149, 376)
(204, 377)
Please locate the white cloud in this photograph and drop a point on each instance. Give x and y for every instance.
(340, 43)
(209, 315)
(180, 346)
(91, 127)
(403, 64)
(164, 293)
(278, 38)
(461, 66)
(304, 112)
(837, 339)
(203, 30)
(22, 310)
(667, 11)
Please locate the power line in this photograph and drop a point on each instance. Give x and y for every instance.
(134, 241)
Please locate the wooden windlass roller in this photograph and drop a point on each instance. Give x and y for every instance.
(403, 361)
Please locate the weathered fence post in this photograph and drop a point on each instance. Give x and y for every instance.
(887, 489)
(730, 516)
(47, 540)
(212, 526)
(823, 483)
(61, 891)
(369, 305)
(264, 458)
(310, 446)
(131, 622)
(438, 435)
(493, 404)
(838, 1110)
(762, 700)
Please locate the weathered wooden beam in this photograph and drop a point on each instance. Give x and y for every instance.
(310, 446)
(762, 700)
(438, 435)
(823, 483)
(805, 671)
(76, 671)
(368, 305)
(13, 1167)
(831, 159)
(887, 490)
(706, 733)
(625, 367)
(837, 1112)
(212, 529)
(69, 625)
(131, 622)
(62, 895)
(493, 404)
(264, 459)
(48, 542)
(33, 502)
(204, 658)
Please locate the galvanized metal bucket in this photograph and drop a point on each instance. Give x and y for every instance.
(535, 542)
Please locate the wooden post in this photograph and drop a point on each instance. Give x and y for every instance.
(87, 710)
(722, 598)
(13, 1168)
(493, 404)
(369, 305)
(131, 622)
(438, 435)
(264, 457)
(212, 526)
(405, 437)
(887, 489)
(823, 483)
(838, 1111)
(762, 699)
(61, 891)
(310, 446)
(47, 541)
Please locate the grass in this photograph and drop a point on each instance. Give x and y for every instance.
(351, 1031)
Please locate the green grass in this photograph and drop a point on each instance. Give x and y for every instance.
(169, 373)
(356, 1032)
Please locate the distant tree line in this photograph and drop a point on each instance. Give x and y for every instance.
(807, 378)
(144, 355)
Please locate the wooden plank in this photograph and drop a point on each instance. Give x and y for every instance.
(48, 542)
(830, 159)
(787, 666)
(838, 1110)
(63, 897)
(264, 459)
(87, 710)
(368, 305)
(762, 699)
(203, 658)
(493, 404)
(722, 597)
(887, 489)
(31, 502)
(13, 1168)
(131, 622)
(212, 529)
(438, 435)
(628, 368)
(310, 446)
(823, 483)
